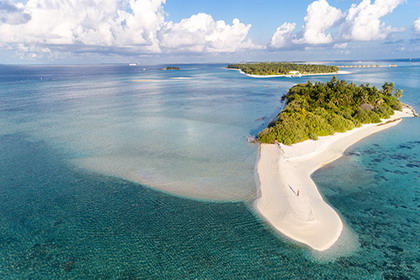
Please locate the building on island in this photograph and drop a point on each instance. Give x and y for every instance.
(294, 74)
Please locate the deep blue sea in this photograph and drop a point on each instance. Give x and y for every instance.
(119, 172)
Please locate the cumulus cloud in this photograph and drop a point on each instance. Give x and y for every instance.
(12, 14)
(362, 22)
(139, 27)
(201, 32)
(123, 25)
(417, 25)
(283, 36)
(64, 22)
(319, 18)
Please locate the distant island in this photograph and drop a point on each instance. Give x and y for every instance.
(320, 109)
(283, 69)
(171, 68)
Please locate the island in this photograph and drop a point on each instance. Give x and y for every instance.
(283, 69)
(171, 68)
(318, 123)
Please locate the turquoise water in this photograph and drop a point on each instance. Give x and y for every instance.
(75, 141)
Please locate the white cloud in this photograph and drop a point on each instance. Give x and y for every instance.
(417, 25)
(340, 46)
(64, 22)
(362, 22)
(319, 18)
(200, 33)
(132, 25)
(283, 36)
(141, 25)
(31, 51)
(12, 14)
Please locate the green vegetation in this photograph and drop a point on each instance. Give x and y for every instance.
(282, 68)
(320, 109)
(171, 68)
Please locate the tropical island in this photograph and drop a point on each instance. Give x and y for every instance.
(345, 113)
(171, 68)
(269, 69)
(321, 109)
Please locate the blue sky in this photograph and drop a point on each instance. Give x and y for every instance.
(182, 31)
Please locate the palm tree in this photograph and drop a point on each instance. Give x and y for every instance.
(399, 93)
(388, 88)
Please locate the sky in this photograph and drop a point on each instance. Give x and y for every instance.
(199, 31)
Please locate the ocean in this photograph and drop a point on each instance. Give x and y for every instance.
(122, 172)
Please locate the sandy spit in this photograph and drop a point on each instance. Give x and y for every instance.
(288, 198)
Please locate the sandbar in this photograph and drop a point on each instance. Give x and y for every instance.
(289, 199)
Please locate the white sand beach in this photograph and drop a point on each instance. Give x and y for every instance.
(302, 75)
(288, 198)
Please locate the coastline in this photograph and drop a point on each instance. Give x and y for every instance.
(289, 76)
(289, 199)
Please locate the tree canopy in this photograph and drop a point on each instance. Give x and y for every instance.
(320, 109)
(171, 68)
(282, 68)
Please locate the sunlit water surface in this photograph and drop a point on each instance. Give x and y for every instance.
(84, 149)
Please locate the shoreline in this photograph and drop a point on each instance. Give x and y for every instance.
(289, 76)
(289, 199)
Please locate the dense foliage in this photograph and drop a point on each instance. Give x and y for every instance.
(320, 109)
(280, 68)
(171, 68)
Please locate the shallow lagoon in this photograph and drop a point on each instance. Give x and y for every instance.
(61, 220)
